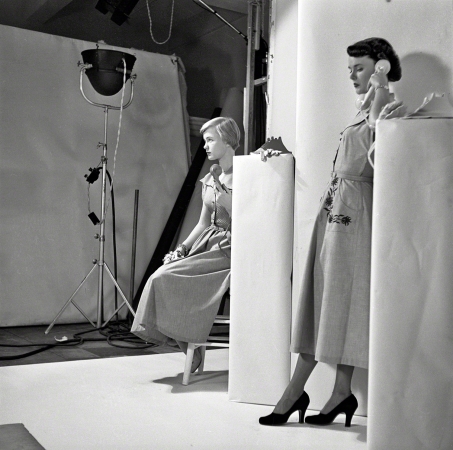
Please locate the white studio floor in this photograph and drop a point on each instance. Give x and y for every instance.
(138, 402)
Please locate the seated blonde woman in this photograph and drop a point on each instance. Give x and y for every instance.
(181, 299)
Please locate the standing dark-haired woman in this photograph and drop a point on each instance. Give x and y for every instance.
(332, 321)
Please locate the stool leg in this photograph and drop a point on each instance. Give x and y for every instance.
(188, 365)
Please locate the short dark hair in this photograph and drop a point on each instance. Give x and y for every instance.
(377, 48)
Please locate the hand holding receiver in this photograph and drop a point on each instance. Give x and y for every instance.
(272, 147)
(377, 80)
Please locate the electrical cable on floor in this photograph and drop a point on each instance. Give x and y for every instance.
(67, 343)
(133, 341)
(116, 335)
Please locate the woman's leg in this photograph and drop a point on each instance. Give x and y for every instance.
(196, 354)
(304, 367)
(341, 389)
(183, 346)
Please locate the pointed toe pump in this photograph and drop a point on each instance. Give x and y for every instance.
(348, 406)
(301, 405)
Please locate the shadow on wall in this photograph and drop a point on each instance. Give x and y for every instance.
(201, 85)
(422, 74)
(207, 76)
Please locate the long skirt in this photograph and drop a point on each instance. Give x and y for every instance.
(181, 299)
(332, 319)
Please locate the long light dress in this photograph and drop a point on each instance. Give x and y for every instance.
(332, 320)
(181, 299)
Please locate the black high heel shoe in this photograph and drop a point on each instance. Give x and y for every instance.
(347, 406)
(301, 405)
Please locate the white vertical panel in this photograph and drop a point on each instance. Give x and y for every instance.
(411, 350)
(261, 265)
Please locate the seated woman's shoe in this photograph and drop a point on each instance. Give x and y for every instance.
(301, 405)
(347, 406)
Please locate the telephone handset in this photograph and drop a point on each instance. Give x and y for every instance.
(216, 171)
(381, 66)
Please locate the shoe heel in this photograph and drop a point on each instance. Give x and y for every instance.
(349, 416)
(348, 420)
(301, 416)
(303, 410)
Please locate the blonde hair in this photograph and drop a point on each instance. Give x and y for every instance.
(227, 129)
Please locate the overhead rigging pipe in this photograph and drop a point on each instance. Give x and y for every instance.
(203, 5)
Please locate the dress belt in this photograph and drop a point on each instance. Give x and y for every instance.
(346, 176)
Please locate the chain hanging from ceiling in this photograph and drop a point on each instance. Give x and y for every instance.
(151, 23)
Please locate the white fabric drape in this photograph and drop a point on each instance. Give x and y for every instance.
(48, 141)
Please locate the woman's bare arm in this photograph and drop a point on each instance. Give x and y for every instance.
(203, 223)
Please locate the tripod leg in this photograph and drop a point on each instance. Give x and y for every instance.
(125, 301)
(71, 301)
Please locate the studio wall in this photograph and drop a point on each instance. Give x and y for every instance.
(48, 141)
(282, 84)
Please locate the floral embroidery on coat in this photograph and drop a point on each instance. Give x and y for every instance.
(328, 205)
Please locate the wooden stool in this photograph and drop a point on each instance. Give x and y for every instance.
(221, 321)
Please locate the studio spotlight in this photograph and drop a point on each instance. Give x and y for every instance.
(103, 6)
(105, 69)
(120, 9)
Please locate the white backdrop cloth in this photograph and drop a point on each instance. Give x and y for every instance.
(48, 141)
(261, 265)
(411, 339)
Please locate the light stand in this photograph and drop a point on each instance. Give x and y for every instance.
(108, 72)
